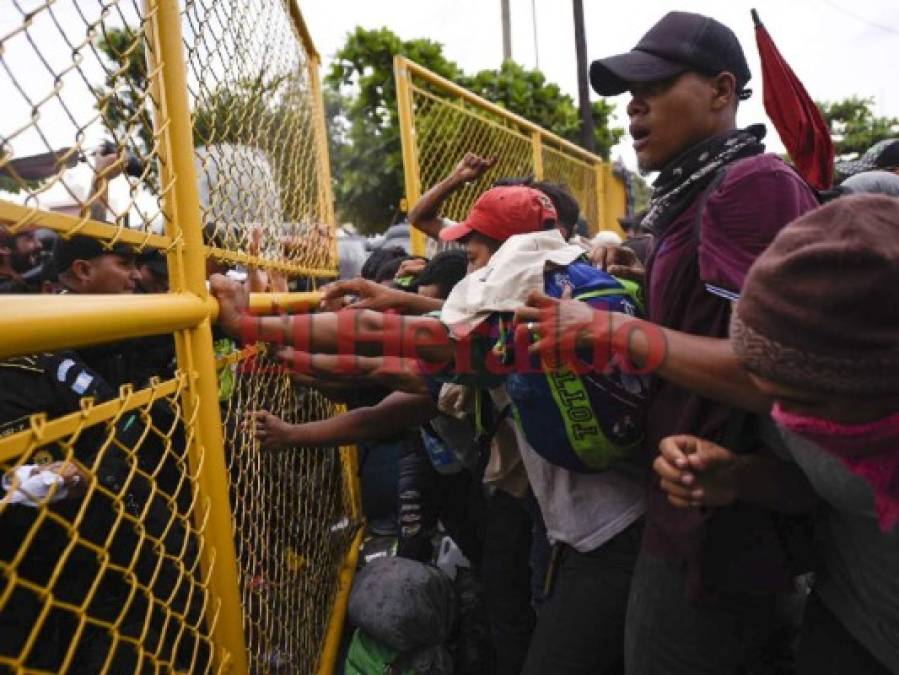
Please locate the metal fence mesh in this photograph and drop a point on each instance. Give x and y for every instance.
(109, 579)
(444, 125)
(292, 520)
(579, 176)
(446, 129)
(75, 85)
(258, 132)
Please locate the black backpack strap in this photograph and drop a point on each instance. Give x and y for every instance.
(487, 424)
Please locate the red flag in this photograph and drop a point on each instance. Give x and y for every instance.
(798, 120)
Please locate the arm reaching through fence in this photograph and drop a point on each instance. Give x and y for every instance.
(395, 414)
(372, 295)
(362, 332)
(331, 372)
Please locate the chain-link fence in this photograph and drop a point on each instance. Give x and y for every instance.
(440, 122)
(143, 529)
(293, 522)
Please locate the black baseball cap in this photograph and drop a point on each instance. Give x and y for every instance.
(81, 247)
(679, 42)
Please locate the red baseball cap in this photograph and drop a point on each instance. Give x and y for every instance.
(504, 211)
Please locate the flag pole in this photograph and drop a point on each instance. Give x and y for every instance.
(755, 17)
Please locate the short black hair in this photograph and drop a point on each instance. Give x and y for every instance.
(566, 205)
(509, 181)
(559, 194)
(387, 271)
(445, 270)
(378, 257)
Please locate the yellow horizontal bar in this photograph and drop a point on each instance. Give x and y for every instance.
(43, 431)
(30, 323)
(293, 303)
(587, 166)
(266, 263)
(461, 92)
(17, 216)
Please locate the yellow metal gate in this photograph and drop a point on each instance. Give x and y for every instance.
(440, 121)
(204, 554)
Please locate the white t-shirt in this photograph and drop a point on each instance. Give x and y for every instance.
(583, 510)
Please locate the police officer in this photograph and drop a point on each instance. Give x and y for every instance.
(18, 253)
(84, 266)
(55, 384)
(104, 485)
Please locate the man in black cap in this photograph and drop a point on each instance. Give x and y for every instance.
(153, 272)
(706, 580)
(85, 265)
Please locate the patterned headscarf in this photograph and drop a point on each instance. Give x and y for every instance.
(678, 183)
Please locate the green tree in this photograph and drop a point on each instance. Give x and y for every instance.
(527, 93)
(269, 112)
(855, 127)
(123, 100)
(364, 126)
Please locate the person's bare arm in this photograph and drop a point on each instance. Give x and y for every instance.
(425, 215)
(350, 372)
(394, 414)
(372, 295)
(363, 332)
(704, 365)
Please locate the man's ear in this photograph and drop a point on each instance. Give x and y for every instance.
(81, 270)
(724, 91)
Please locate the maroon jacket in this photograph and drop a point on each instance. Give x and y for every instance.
(736, 548)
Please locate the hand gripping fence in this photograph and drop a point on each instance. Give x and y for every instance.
(440, 121)
(143, 530)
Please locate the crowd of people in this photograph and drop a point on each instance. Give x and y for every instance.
(676, 454)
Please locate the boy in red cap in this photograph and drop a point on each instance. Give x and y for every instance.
(498, 214)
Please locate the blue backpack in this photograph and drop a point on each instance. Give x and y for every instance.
(583, 422)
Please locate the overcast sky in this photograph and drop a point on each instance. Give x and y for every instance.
(837, 48)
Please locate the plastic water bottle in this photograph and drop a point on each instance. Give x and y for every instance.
(442, 457)
(450, 557)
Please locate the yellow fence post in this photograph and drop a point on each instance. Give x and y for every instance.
(537, 144)
(614, 201)
(321, 136)
(407, 140)
(195, 353)
(600, 196)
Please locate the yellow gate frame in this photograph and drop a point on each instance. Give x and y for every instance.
(604, 200)
(71, 321)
